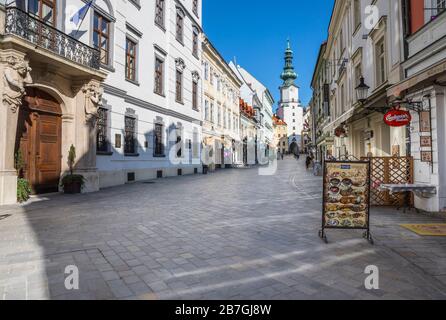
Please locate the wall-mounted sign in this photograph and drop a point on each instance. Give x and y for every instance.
(426, 156)
(425, 121)
(346, 196)
(329, 141)
(426, 142)
(397, 118)
(340, 132)
(368, 134)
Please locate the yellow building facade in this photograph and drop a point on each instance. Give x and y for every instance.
(221, 113)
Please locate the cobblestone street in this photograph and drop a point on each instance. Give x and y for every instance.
(174, 239)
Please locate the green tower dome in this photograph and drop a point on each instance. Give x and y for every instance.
(288, 75)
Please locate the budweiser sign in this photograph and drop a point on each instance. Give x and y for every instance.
(397, 118)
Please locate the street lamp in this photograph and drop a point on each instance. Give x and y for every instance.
(362, 91)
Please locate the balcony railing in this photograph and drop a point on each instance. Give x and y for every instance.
(25, 26)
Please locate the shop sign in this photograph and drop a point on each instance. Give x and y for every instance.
(426, 142)
(368, 134)
(329, 141)
(426, 156)
(397, 118)
(340, 132)
(346, 196)
(425, 121)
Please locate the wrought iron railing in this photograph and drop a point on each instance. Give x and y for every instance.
(23, 25)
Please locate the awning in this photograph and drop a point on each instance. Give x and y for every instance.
(418, 79)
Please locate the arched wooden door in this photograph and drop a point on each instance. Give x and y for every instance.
(39, 141)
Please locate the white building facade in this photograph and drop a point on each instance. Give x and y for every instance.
(120, 81)
(361, 47)
(259, 97)
(150, 119)
(423, 87)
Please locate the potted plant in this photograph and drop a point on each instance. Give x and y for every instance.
(23, 186)
(72, 183)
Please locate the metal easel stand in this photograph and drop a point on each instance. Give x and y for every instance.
(323, 235)
(366, 235)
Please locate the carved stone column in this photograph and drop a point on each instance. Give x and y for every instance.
(15, 75)
(88, 100)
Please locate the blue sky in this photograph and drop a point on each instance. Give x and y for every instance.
(255, 32)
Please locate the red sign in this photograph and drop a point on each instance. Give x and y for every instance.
(340, 132)
(397, 118)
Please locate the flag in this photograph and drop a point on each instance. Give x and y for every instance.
(79, 16)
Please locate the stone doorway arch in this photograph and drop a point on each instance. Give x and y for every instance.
(294, 148)
(39, 140)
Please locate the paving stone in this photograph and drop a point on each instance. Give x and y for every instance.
(231, 246)
(119, 289)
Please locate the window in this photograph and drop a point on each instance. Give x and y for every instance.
(179, 87)
(381, 73)
(130, 61)
(45, 10)
(357, 13)
(101, 37)
(219, 116)
(194, 95)
(438, 7)
(159, 76)
(195, 42)
(206, 71)
(358, 74)
(180, 26)
(195, 7)
(206, 110)
(211, 76)
(212, 112)
(101, 134)
(441, 5)
(130, 135)
(159, 13)
(179, 143)
(343, 106)
(158, 140)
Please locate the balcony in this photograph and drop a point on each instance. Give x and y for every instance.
(21, 24)
(427, 46)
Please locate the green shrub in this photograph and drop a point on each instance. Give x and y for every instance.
(23, 190)
(72, 178)
(19, 163)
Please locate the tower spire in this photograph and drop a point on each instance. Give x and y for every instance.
(288, 75)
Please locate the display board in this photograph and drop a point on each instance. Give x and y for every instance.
(346, 196)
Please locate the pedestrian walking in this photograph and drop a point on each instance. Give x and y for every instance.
(308, 161)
